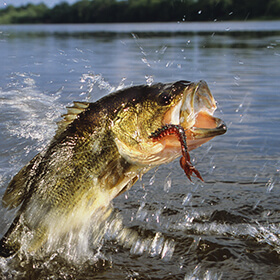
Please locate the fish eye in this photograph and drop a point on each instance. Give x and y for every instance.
(165, 98)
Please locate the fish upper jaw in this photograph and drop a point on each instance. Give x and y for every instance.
(196, 98)
(194, 112)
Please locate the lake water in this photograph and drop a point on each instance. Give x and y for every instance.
(225, 228)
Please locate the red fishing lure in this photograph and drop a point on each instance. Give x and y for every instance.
(178, 130)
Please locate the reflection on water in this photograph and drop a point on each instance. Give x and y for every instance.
(164, 227)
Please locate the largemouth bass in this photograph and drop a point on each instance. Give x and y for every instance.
(99, 151)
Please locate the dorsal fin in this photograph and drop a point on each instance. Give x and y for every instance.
(71, 115)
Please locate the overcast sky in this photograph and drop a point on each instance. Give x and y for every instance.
(49, 3)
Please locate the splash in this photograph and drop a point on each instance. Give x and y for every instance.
(87, 250)
(96, 83)
(153, 245)
(34, 112)
(200, 273)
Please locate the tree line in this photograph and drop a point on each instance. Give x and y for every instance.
(101, 11)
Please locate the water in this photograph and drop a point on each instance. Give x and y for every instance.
(164, 227)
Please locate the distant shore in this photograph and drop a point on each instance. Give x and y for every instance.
(112, 11)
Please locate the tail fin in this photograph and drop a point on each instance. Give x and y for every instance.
(9, 244)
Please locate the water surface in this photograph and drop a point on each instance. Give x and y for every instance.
(225, 228)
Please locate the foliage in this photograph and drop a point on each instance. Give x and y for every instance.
(25, 14)
(92, 11)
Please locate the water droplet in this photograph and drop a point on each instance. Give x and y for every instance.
(157, 245)
(149, 80)
(141, 213)
(239, 107)
(168, 249)
(167, 184)
(168, 64)
(145, 60)
(269, 185)
(152, 180)
(187, 199)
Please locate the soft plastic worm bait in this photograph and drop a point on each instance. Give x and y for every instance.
(178, 130)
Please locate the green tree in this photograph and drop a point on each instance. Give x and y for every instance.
(92, 11)
(60, 13)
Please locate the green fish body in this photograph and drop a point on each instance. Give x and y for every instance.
(97, 153)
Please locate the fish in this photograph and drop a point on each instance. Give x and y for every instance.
(99, 151)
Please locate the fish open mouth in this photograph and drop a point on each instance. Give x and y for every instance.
(190, 123)
(199, 134)
(207, 126)
(194, 113)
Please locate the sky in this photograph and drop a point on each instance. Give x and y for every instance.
(49, 3)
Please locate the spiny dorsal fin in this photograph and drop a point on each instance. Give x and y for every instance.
(71, 115)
